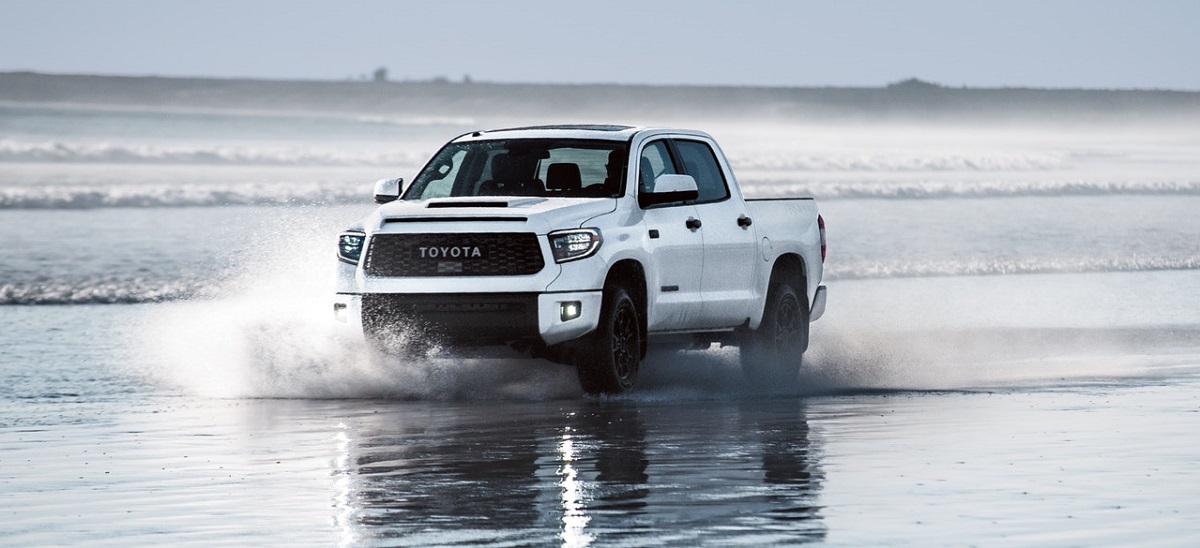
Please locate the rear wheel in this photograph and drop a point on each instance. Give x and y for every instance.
(773, 352)
(610, 361)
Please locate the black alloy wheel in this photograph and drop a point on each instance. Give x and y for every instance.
(773, 353)
(610, 364)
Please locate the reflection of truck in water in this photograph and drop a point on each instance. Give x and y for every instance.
(580, 473)
(582, 244)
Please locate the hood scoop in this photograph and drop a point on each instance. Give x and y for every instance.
(515, 202)
(463, 219)
(449, 205)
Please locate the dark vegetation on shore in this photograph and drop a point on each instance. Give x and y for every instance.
(907, 100)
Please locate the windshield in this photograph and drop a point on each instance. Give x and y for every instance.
(570, 168)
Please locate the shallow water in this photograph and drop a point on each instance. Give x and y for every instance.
(1010, 355)
(923, 435)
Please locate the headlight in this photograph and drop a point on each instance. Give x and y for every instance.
(350, 246)
(569, 245)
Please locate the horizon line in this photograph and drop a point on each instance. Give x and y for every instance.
(908, 83)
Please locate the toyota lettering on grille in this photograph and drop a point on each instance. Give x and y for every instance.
(469, 254)
(451, 252)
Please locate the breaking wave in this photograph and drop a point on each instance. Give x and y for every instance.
(243, 154)
(934, 162)
(101, 291)
(331, 193)
(982, 267)
(976, 189)
(157, 195)
(107, 153)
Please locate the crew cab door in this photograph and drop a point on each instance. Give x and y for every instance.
(730, 244)
(676, 247)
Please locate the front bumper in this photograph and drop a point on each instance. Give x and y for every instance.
(474, 319)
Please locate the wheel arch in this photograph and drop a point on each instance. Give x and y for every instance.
(630, 274)
(790, 267)
(786, 267)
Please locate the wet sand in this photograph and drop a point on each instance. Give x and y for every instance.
(1081, 464)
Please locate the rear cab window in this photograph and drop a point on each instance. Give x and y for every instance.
(683, 156)
(700, 162)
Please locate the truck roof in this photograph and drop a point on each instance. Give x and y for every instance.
(611, 132)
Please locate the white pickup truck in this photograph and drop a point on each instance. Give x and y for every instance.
(582, 244)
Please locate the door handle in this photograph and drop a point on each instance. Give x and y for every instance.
(693, 224)
(745, 221)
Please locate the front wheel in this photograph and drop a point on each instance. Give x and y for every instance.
(773, 352)
(610, 361)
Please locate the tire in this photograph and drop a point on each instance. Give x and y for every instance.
(612, 356)
(774, 352)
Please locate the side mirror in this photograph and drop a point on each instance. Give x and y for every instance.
(387, 190)
(670, 188)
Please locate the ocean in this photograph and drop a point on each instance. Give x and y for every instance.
(1010, 352)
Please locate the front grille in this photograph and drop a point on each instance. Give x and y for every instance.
(484, 254)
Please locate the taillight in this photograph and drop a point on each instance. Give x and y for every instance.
(821, 225)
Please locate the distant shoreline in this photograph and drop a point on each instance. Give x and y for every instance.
(910, 99)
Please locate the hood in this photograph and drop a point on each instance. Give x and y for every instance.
(541, 215)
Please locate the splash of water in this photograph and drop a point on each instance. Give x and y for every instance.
(270, 333)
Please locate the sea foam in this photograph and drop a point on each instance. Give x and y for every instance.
(132, 153)
(79, 196)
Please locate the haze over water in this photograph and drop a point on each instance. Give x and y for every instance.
(1009, 355)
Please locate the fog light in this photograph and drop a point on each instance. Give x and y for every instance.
(339, 311)
(569, 310)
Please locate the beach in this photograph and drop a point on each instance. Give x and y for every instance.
(1010, 352)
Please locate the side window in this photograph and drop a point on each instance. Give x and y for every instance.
(700, 162)
(655, 161)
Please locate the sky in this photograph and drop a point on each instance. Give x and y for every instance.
(1103, 44)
